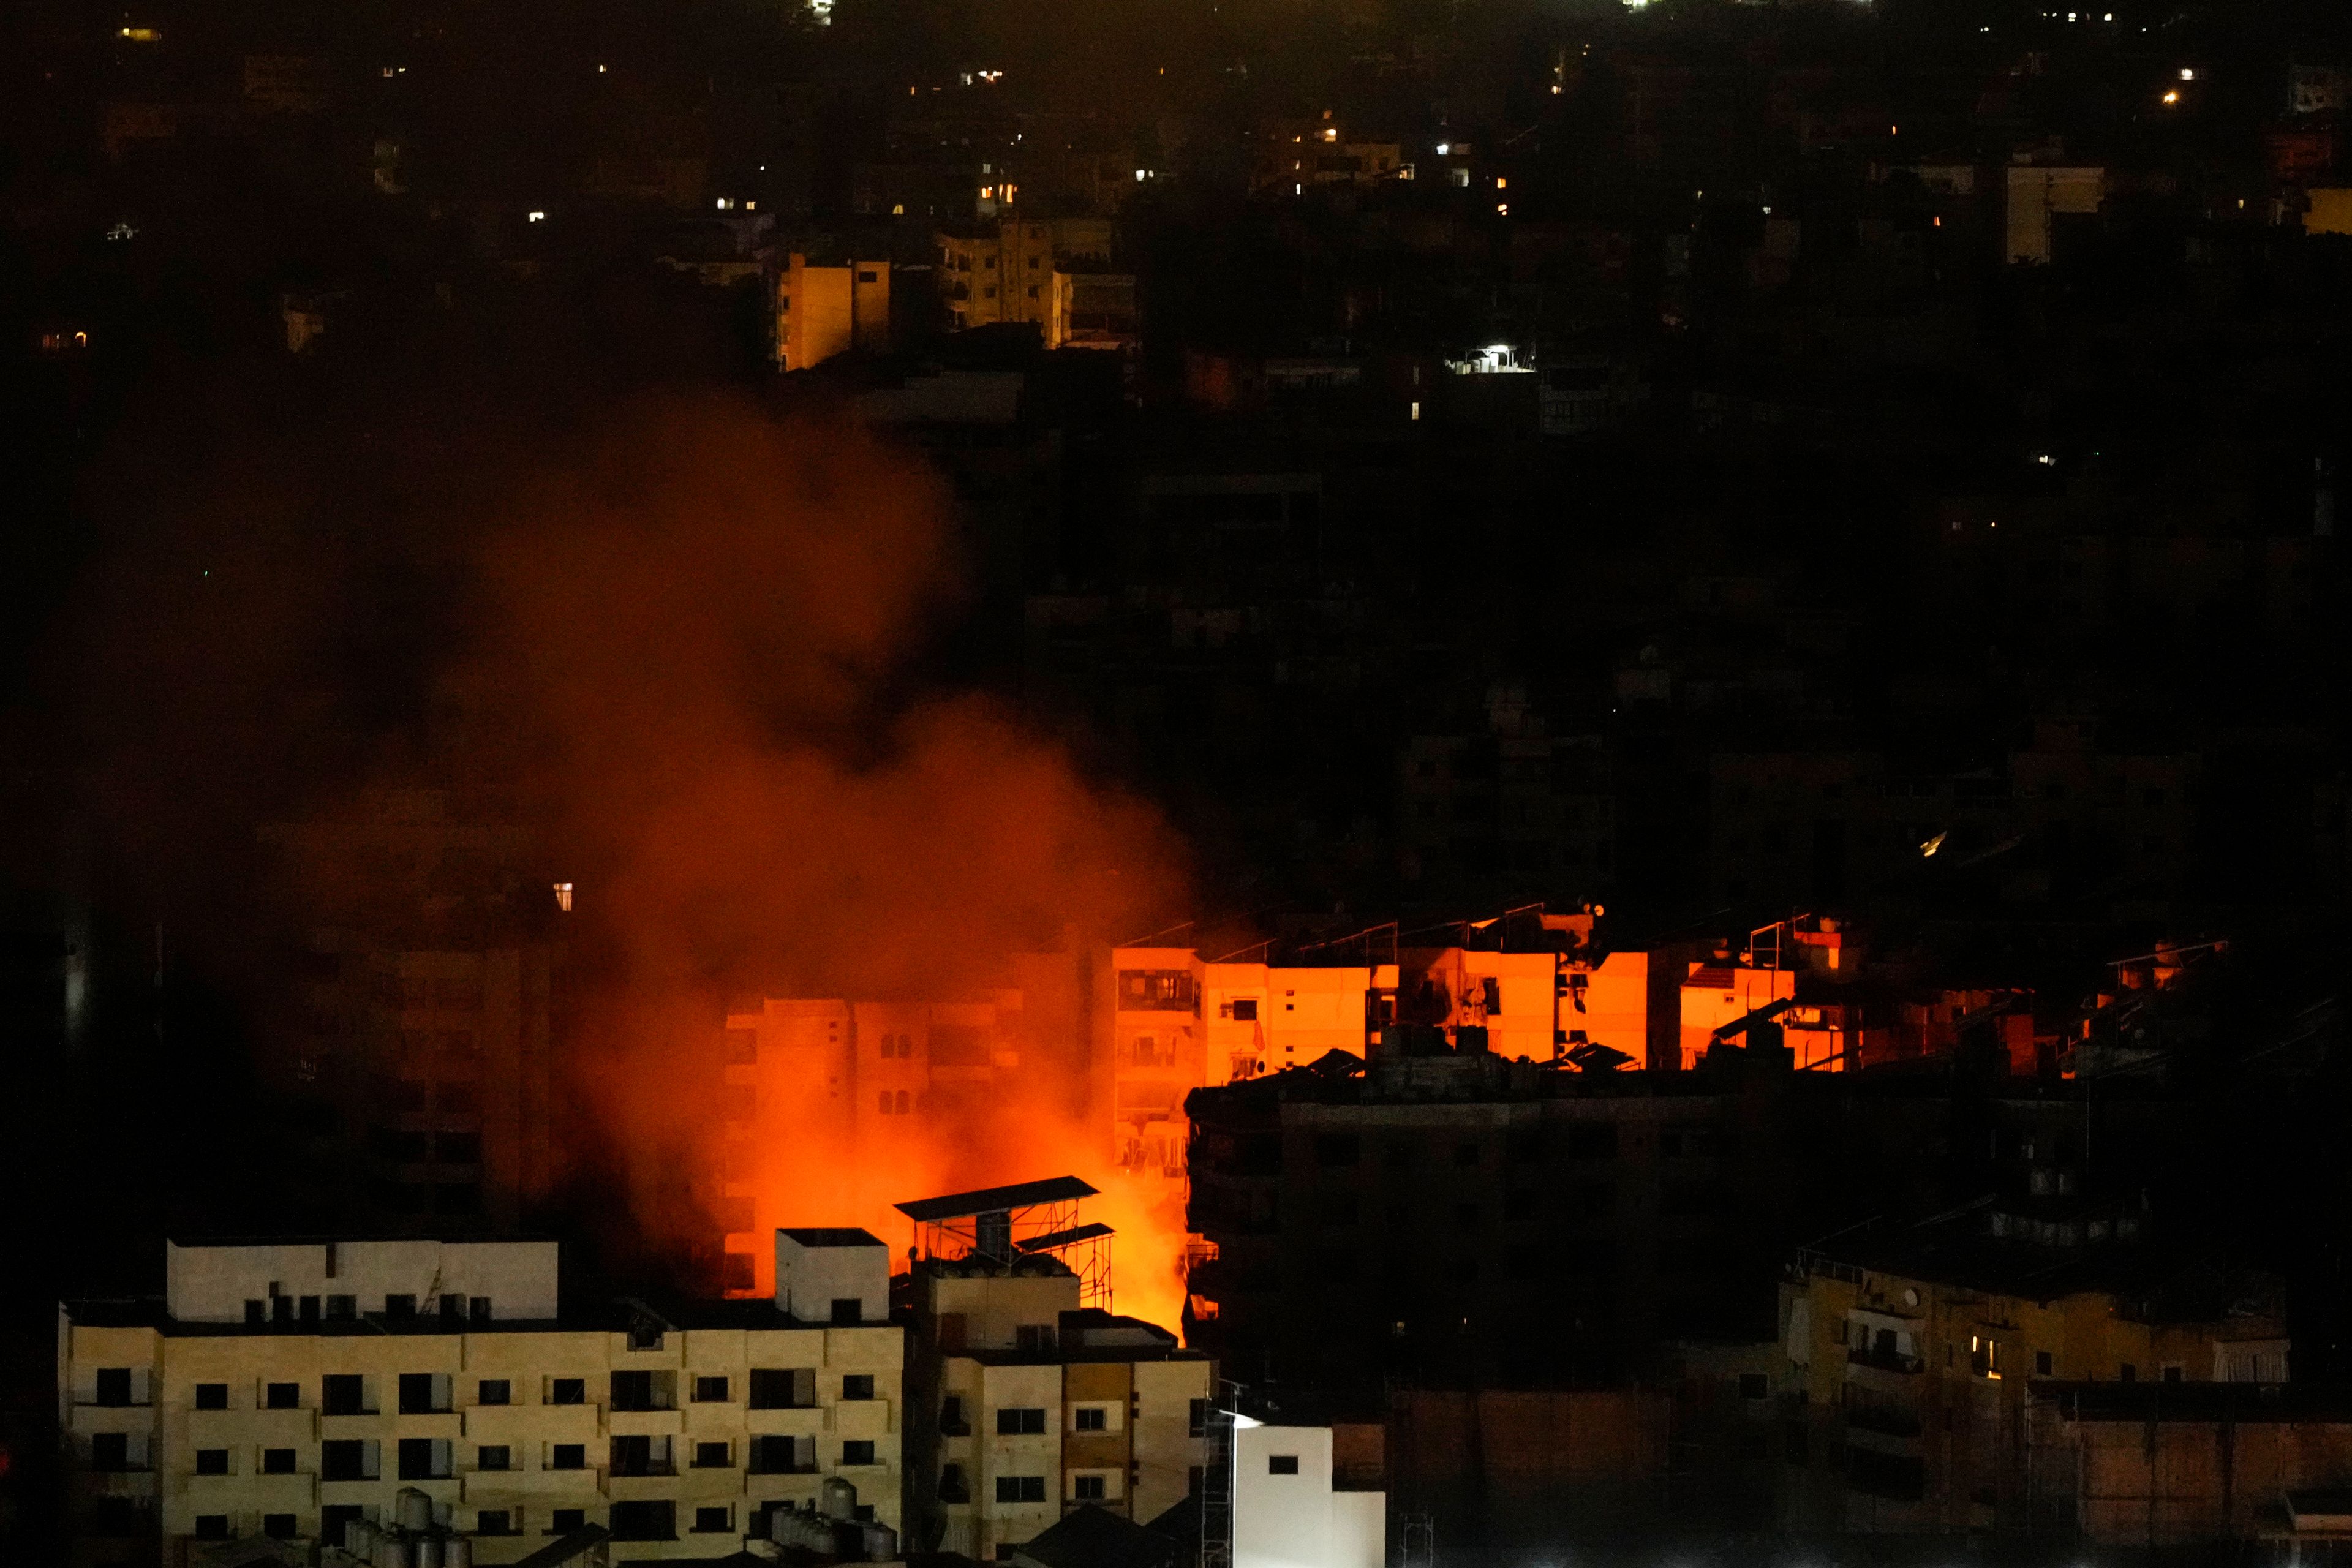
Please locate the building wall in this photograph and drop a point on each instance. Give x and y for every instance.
(215, 1284)
(169, 1430)
(1297, 1520)
(1928, 1381)
(2174, 1482)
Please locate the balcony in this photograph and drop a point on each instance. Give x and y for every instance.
(1886, 1361)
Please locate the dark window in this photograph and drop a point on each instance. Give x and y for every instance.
(493, 1390)
(493, 1521)
(568, 1457)
(2173, 1374)
(1200, 1422)
(341, 1307)
(782, 1456)
(858, 1386)
(256, 1312)
(1020, 1422)
(564, 1521)
(1033, 1339)
(783, 1388)
(114, 1385)
(493, 1457)
(2128, 1373)
(334, 1518)
(1089, 1488)
(1246, 1009)
(2042, 1363)
(645, 1521)
(453, 1309)
(212, 1527)
(109, 1452)
(277, 1461)
(400, 1306)
(283, 1396)
(342, 1394)
(568, 1391)
(416, 1393)
(710, 1391)
(635, 1456)
(1092, 1418)
(633, 1390)
(419, 1461)
(309, 1308)
(858, 1451)
(711, 1456)
(848, 1309)
(342, 1459)
(478, 1309)
(713, 1520)
(1282, 1464)
(1020, 1488)
(212, 1396)
(282, 1307)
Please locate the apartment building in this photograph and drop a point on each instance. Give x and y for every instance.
(1538, 986)
(1004, 271)
(1913, 1360)
(821, 1094)
(1025, 1406)
(414, 1026)
(822, 311)
(288, 1390)
(1437, 1211)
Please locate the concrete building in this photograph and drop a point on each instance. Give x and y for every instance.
(823, 311)
(1091, 308)
(1293, 1505)
(1914, 1360)
(1029, 1405)
(1540, 986)
(416, 1031)
(290, 1391)
(2160, 1466)
(1004, 272)
(820, 1096)
(2039, 199)
(1449, 1212)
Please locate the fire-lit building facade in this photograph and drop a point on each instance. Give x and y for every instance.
(1171, 1020)
(292, 1393)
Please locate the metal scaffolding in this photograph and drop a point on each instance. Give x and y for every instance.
(1028, 1219)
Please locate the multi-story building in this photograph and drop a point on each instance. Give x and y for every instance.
(1171, 1021)
(1025, 1404)
(1440, 1210)
(1912, 1359)
(1004, 272)
(822, 311)
(415, 1032)
(1090, 307)
(821, 1095)
(291, 1390)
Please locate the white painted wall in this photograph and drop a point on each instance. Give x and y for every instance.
(1298, 1520)
(211, 1284)
(811, 1278)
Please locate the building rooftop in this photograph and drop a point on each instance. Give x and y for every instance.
(835, 1235)
(2242, 1402)
(991, 1200)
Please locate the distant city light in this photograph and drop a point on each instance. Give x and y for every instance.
(2187, 74)
(1443, 148)
(2173, 97)
(143, 34)
(563, 897)
(538, 217)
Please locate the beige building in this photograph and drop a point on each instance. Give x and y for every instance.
(823, 311)
(1173, 1021)
(1091, 308)
(294, 1391)
(1025, 1407)
(1911, 1362)
(1006, 273)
